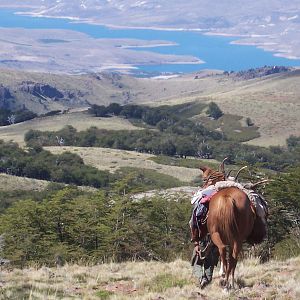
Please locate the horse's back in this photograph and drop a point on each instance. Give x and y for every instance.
(230, 215)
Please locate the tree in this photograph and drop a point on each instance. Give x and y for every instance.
(114, 108)
(11, 119)
(98, 110)
(284, 202)
(249, 122)
(214, 111)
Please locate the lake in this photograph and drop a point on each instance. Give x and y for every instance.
(216, 51)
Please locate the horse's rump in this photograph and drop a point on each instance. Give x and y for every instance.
(223, 218)
(230, 215)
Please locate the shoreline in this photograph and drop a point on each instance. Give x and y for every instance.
(236, 39)
(274, 52)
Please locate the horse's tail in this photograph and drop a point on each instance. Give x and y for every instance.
(228, 228)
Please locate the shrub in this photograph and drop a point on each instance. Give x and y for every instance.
(214, 111)
(249, 122)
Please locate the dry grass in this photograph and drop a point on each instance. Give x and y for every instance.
(79, 120)
(12, 183)
(113, 159)
(272, 102)
(15, 183)
(149, 280)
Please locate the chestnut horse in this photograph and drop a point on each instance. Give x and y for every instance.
(231, 221)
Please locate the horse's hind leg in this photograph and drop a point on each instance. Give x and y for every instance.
(222, 269)
(222, 250)
(235, 253)
(230, 263)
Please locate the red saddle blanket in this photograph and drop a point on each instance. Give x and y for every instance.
(206, 199)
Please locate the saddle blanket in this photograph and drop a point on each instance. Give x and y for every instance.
(257, 200)
(203, 196)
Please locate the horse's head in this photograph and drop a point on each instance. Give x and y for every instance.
(211, 176)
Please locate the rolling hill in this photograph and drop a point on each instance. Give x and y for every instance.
(271, 101)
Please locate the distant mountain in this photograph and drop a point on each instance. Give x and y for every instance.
(271, 24)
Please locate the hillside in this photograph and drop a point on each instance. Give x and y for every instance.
(113, 160)
(149, 280)
(271, 101)
(80, 120)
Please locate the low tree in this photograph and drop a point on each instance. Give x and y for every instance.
(249, 122)
(214, 111)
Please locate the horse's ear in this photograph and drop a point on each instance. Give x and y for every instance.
(203, 168)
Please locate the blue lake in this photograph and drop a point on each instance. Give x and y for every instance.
(217, 52)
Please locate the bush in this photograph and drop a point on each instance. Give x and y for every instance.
(40, 164)
(249, 122)
(70, 227)
(8, 117)
(214, 111)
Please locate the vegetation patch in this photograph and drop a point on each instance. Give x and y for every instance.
(183, 162)
(103, 294)
(201, 137)
(41, 164)
(81, 278)
(289, 247)
(135, 180)
(8, 117)
(231, 126)
(16, 292)
(162, 282)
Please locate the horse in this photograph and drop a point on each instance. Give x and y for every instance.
(231, 221)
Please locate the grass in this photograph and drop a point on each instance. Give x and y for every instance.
(271, 102)
(162, 282)
(79, 120)
(10, 183)
(145, 179)
(149, 280)
(104, 294)
(234, 127)
(113, 160)
(184, 162)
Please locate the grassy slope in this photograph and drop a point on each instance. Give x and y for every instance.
(15, 183)
(113, 159)
(272, 102)
(79, 120)
(149, 280)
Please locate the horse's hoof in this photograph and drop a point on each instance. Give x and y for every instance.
(203, 283)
